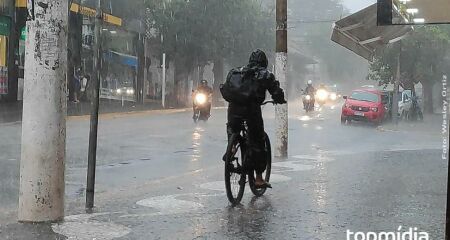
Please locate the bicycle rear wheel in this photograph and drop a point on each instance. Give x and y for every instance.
(235, 176)
(266, 175)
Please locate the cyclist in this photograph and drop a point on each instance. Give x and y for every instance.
(263, 81)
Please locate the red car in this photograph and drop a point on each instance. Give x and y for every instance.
(364, 105)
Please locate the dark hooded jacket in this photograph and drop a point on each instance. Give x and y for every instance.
(265, 80)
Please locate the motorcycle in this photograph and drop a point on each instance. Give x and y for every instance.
(415, 113)
(308, 102)
(202, 106)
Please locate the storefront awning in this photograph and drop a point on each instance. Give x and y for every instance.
(121, 58)
(360, 34)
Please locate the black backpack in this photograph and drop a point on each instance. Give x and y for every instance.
(239, 86)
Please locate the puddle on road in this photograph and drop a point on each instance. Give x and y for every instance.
(220, 185)
(319, 158)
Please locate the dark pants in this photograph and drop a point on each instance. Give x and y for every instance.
(256, 134)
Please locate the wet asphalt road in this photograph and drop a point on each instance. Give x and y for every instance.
(160, 177)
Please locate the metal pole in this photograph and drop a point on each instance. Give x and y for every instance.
(281, 111)
(43, 153)
(92, 157)
(164, 81)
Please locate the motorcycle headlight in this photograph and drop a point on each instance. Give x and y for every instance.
(308, 97)
(333, 96)
(322, 95)
(200, 99)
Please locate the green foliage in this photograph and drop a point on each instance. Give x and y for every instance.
(200, 31)
(423, 57)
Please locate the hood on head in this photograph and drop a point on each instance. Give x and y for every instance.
(258, 58)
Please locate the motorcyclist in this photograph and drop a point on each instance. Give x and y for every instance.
(251, 112)
(205, 89)
(310, 90)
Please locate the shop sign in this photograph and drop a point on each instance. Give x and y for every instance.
(5, 25)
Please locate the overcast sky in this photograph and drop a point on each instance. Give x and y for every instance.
(356, 5)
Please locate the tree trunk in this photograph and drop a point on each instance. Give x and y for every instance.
(218, 79)
(427, 96)
(180, 84)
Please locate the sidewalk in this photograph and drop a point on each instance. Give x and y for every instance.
(12, 112)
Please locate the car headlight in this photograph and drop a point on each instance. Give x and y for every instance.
(308, 97)
(322, 95)
(130, 91)
(374, 109)
(333, 96)
(119, 91)
(348, 105)
(200, 99)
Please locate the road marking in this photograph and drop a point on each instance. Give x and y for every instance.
(170, 205)
(220, 185)
(292, 166)
(81, 227)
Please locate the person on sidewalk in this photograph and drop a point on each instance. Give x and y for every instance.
(76, 85)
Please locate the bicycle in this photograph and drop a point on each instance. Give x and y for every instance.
(237, 165)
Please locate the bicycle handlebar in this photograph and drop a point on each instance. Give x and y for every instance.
(265, 103)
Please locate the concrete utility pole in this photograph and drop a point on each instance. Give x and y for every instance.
(281, 111)
(92, 157)
(43, 153)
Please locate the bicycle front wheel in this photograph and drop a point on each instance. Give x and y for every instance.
(266, 175)
(235, 175)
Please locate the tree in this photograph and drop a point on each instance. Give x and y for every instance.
(424, 59)
(198, 32)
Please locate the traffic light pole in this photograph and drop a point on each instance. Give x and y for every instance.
(281, 111)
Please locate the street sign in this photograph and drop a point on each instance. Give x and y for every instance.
(417, 12)
(23, 33)
(90, 12)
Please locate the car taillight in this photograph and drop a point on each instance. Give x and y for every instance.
(374, 109)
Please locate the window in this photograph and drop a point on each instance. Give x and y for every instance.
(364, 96)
